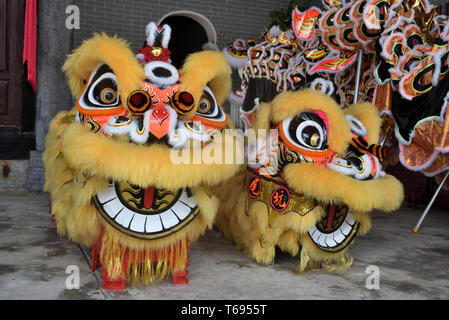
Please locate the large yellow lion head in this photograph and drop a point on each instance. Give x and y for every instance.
(108, 161)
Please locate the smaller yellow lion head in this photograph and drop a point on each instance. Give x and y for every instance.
(314, 174)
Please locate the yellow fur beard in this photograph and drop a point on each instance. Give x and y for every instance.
(143, 165)
(385, 193)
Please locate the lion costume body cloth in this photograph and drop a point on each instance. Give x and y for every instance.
(108, 161)
(312, 182)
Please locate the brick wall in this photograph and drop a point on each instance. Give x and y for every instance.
(128, 19)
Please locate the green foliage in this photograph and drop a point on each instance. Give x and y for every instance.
(283, 18)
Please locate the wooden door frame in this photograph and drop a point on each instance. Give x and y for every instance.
(15, 52)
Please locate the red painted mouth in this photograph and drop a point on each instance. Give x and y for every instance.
(148, 197)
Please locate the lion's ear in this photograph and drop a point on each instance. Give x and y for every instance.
(368, 115)
(102, 49)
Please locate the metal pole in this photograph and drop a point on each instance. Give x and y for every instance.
(416, 229)
(357, 79)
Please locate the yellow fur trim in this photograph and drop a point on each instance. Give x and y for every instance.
(109, 50)
(70, 190)
(229, 194)
(208, 205)
(84, 187)
(312, 257)
(142, 165)
(384, 193)
(147, 261)
(206, 68)
(52, 151)
(291, 103)
(364, 220)
(298, 223)
(367, 113)
(289, 242)
(83, 225)
(239, 227)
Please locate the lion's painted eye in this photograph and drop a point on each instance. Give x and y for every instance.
(306, 131)
(208, 111)
(104, 91)
(101, 92)
(208, 106)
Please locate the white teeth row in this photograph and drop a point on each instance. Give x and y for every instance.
(334, 239)
(145, 224)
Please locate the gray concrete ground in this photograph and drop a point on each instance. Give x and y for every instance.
(33, 262)
(16, 175)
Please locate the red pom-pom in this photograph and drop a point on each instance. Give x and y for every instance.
(155, 53)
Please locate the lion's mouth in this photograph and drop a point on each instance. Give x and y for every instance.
(147, 214)
(336, 230)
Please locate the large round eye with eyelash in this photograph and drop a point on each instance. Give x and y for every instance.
(208, 111)
(208, 107)
(101, 94)
(306, 131)
(104, 91)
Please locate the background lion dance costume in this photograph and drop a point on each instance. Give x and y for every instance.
(405, 48)
(108, 167)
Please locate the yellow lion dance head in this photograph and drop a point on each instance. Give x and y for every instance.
(311, 181)
(109, 165)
